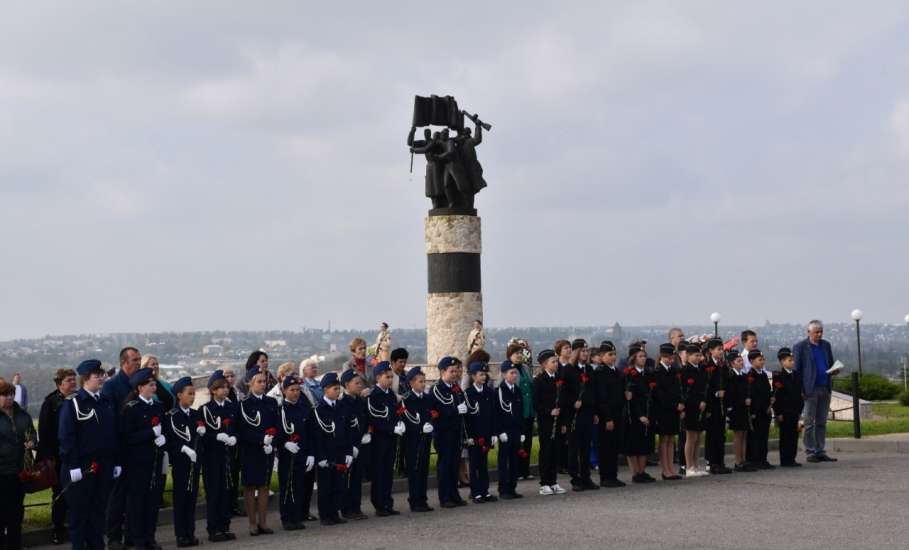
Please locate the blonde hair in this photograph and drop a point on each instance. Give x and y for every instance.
(356, 342)
(146, 359)
(285, 369)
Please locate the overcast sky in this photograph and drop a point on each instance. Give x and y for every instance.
(191, 166)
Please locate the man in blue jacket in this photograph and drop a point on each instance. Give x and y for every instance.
(813, 357)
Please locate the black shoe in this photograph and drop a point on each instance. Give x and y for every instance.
(673, 477)
(58, 538)
(217, 537)
(519, 495)
(461, 502)
(153, 546)
(507, 496)
(490, 498)
(115, 545)
(478, 499)
(744, 468)
(310, 517)
(380, 514)
(420, 509)
(647, 477)
(716, 470)
(327, 522)
(638, 478)
(296, 526)
(448, 504)
(611, 483)
(393, 512)
(229, 535)
(812, 458)
(577, 487)
(341, 521)
(187, 542)
(766, 466)
(358, 515)
(590, 485)
(826, 458)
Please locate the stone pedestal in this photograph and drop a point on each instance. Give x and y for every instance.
(454, 300)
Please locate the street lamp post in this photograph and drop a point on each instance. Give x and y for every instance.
(715, 319)
(857, 317)
(905, 362)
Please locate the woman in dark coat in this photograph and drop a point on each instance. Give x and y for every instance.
(17, 437)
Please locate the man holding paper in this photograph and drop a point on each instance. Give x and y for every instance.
(814, 363)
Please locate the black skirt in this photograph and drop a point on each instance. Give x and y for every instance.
(638, 439)
(255, 465)
(667, 422)
(738, 418)
(695, 420)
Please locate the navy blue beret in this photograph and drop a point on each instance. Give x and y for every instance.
(140, 377)
(381, 367)
(477, 366)
(347, 376)
(507, 366)
(88, 366)
(413, 373)
(182, 383)
(289, 381)
(215, 376)
(446, 362)
(329, 379)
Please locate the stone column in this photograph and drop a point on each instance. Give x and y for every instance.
(454, 300)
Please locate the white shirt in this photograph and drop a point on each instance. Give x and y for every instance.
(478, 388)
(747, 366)
(146, 401)
(329, 401)
(509, 386)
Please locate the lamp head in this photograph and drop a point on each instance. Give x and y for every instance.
(857, 315)
(715, 317)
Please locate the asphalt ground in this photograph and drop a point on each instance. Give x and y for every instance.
(862, 501)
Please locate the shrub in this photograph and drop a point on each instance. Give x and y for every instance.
(872, 387)
(904, 398)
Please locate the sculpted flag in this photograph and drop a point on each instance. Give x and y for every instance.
(437, 111)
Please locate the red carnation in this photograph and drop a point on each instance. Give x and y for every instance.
(155, 421)
(341, 468)
(271, 431)
(584, 378)
(24, 476)
(200, 423)
(456, 389)
(778, 385)
(750, 379)
(522, 453)
(634, 373)
(691, 381)
(652, 385)
(94, 467)
(559, 382)
(678, 376)
(481, 441)
(227, 422)
(434, 414)
(401, 410)
(371, 429)
(710, 370)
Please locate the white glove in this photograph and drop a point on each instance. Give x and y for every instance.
(427, 428)
(267, 439)
(462, 409)
(117, 471)
(223, 438)
(356, 453)
(503, 437)
(267, 449)
(348, 460)
(494, 441)
(523, 438)
(323, 463)
(156, 430)
(200, 430)
(189, 452)
(75, 475)
(470, 442)
(310, 462)
(160, 441)
(231, 441)
(367, 437)
(399, 428)
(292, 447)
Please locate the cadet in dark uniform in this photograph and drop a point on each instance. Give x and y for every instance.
(694, 390)
(295, 456)
(667, 405)
(353, 407)
(330, 430)
(417, 439)
(142, 438)
(257, 426)
(579, 407)
(382, 414)
(738, 403)
(610, 384)
(219, 415)
(761, 411)
(508, 423)
(184, 429)
(715, 423)
(787, 407)
(546, 389)
(639, 435)
(89, 457)
(448, 406)
(478, 425)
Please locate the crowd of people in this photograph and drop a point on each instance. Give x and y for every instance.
(113, 439)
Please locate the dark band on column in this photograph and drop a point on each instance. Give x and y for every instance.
(454, 272)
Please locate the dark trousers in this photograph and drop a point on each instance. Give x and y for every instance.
(609, 445)
(84, 499)
(479, 471)
(756, 445)
(218, 490)
(58, 510)
(352, 483)
(448, 449)
(579, 447)
(291, 480)
(680, 446)
(416, 449)
(142, 503)
(524, 463)
(309, 481)
(234, 454)
(185, 493)
(331, 491)
(382, 465)
(550, 444)
(116, 508)
(12, 510)
(715, 438)
(789, 438)
(508, 464)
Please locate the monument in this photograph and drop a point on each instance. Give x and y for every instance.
(453, 238)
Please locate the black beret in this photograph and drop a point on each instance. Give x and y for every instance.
(713, 343)
(732, 355)
(783, 353)
(754, 354)
(545, 355)
(667, 349)
(606, 346)
(578, 343)
(691, 348)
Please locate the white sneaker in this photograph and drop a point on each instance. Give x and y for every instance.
(546, 490)
(558, 490)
